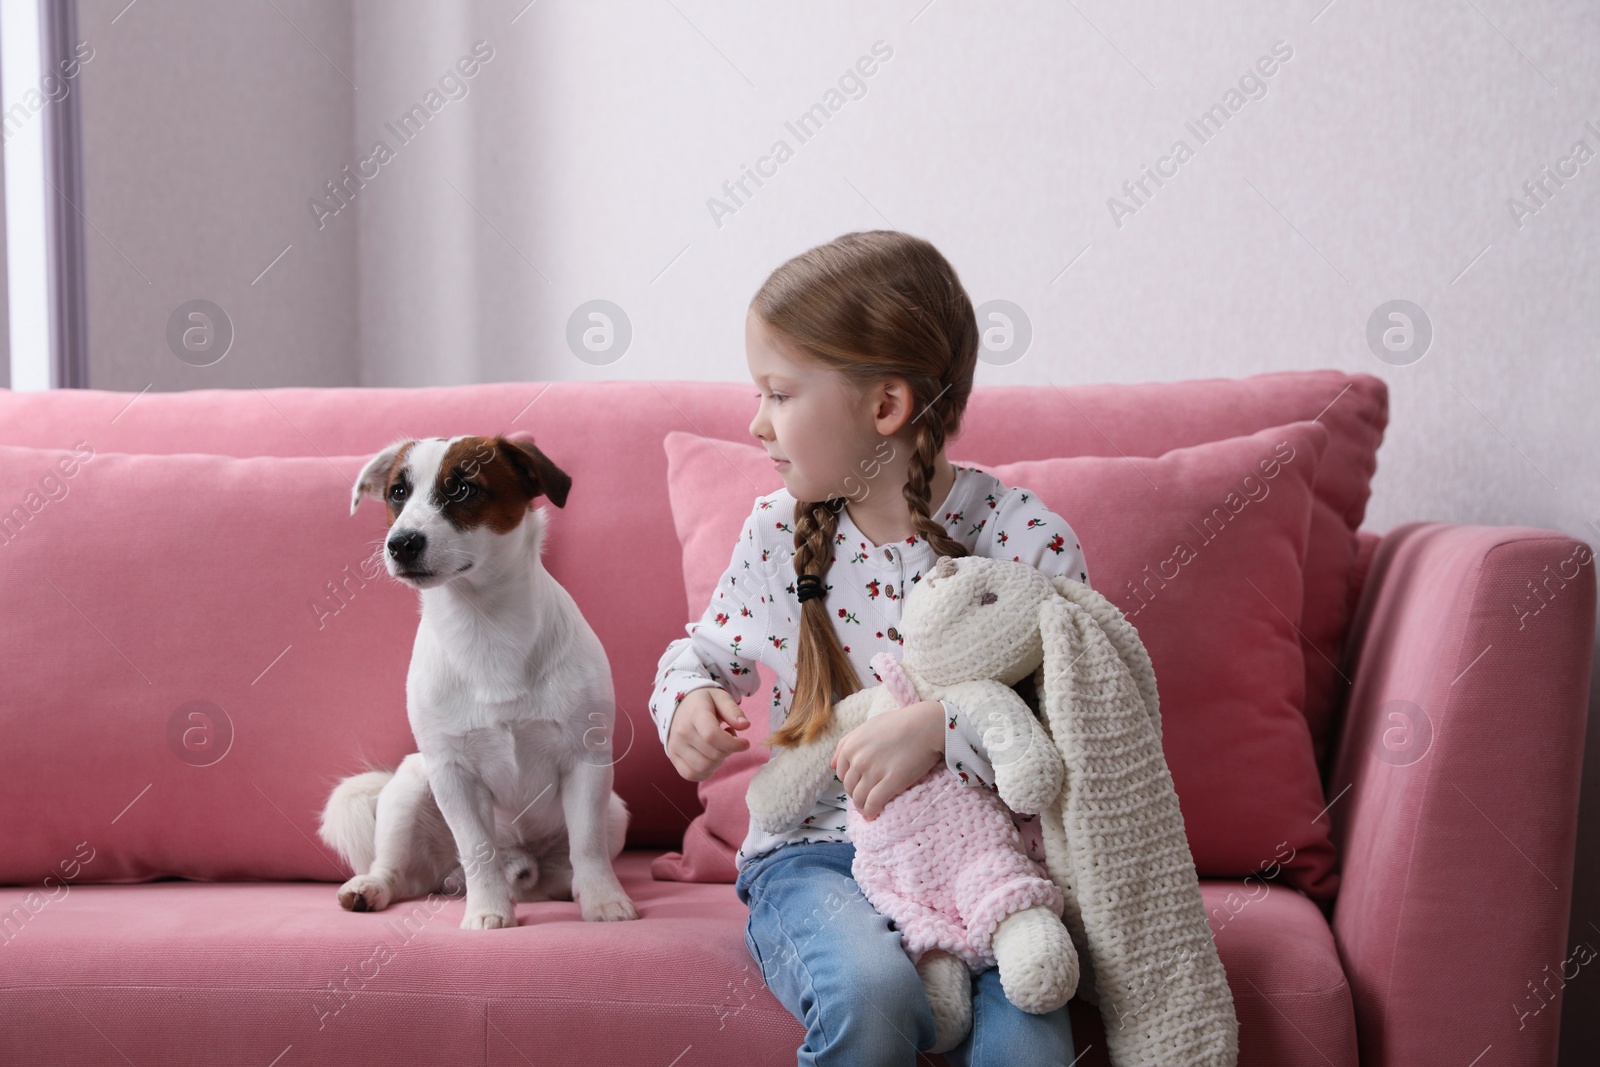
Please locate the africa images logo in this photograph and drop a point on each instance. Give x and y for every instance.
(852, 85)
(1252, 85)
(453, 85)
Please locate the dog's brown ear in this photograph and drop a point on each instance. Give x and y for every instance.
(536, 473)
(374, 477)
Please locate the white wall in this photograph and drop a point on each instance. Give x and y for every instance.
(1378, 165)
(207, 127)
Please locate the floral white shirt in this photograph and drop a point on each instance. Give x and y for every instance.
(754, 617)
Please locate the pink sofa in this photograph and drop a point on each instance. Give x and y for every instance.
(164, 899)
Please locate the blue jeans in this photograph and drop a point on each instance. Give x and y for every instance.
(838, 965)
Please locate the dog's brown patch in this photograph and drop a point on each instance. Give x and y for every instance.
(490, 481)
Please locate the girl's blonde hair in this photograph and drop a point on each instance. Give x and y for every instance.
(872, 306)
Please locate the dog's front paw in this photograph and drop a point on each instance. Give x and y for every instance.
(492, 918)
(364, 893)
(613, 909)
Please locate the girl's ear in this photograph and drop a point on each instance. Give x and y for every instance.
(894, 405)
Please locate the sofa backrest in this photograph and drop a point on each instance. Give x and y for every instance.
(613, 545)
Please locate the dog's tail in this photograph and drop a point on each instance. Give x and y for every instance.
(350, 818)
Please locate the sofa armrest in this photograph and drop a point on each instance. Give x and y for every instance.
(1454, 793)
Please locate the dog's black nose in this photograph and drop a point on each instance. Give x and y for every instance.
(406, 545)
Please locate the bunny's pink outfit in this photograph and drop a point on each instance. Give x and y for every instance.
(944, 860)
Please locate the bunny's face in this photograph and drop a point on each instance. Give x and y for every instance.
(973, 617)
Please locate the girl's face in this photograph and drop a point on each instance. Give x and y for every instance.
(819, 426)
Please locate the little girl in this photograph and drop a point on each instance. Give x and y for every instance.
(864, 349)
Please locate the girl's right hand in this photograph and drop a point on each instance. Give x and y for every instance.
(701, 735)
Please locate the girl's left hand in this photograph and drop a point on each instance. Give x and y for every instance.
(878, 759)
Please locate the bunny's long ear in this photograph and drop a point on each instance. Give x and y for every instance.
(1142, 899)
(1072, 671)
(1123, 636)
(1057, 678)
(1052, 680)
(1053, 686)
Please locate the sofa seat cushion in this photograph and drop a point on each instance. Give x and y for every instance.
(244, 972)
(238, 972)
(1289, 989)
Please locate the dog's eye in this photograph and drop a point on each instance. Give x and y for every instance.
(989, 597)
(397, 492)
(460, 491)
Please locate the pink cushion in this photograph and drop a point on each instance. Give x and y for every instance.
(707, 482)
(197, 648)
(714, 835)
(1219, 628)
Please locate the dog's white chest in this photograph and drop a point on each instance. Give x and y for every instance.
(521, 767)
(519, 764)
(463, 684)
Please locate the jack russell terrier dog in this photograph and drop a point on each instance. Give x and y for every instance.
(509, 696)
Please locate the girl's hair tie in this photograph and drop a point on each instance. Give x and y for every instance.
(808, 586)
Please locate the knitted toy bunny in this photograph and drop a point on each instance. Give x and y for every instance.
(944, 859)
